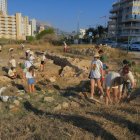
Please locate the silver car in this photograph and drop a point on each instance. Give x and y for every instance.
(135, 46)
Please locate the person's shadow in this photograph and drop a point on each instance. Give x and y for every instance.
(82, 122)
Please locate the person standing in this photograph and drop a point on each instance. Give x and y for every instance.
(96, 75)
(42, 65)
(31, 58)
(65, 46)
(22, 46)
(12, 62)
(27, 53)
(30, 76)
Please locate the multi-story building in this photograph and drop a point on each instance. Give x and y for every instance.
(33, 27)
(82, 32)
(125, 20)
(14, 27)
(3, 7)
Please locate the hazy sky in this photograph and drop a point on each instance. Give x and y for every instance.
(64, 14)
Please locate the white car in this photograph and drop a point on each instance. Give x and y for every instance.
(135, 46)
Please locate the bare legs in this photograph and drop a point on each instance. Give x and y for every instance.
(108, 98)
(116, 95)
(92, 83)
(31, 88)
(41, 67)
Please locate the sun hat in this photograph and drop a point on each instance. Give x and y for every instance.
(96, 55)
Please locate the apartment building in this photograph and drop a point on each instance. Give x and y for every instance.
(14, 27)
(124, 20)
(3, 7)
(33, 27)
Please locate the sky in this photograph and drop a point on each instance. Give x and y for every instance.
(64, 14)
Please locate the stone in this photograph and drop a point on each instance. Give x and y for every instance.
(19, 98)
(50, 61)
(11, 106)
(48, 99)
(40, 96)
(16, 102)
(37, 64)
(57, 108)
(4, 79)
(74, 104)
(27, 97)
(65, 105)
(50, 91)
(52, 79)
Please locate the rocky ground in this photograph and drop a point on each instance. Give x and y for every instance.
(60, 108)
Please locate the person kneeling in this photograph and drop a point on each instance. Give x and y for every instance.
(12, 73)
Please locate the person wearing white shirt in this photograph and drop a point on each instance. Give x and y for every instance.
(13, 62)
(31, 59)
(42, 65)
(96, 74)
(30, 76)
(12, 73)
(114, 82)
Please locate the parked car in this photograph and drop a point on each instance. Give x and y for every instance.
(135, 46)
(124, 46)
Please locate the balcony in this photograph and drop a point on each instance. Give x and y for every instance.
(130, 34)
(131, 19)
(113, 16)
(133, 26)
(115, 9)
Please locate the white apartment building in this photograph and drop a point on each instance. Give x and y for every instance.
(125, 20)
(3, 7)
(33, 27)
(82, 32)
(14, 27)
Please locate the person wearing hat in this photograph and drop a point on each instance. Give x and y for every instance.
(42, 64)
(31, 58)
(27, 53)
(96, 74)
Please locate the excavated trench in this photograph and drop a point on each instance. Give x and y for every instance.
(63, 62)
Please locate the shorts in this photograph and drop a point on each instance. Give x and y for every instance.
(94, 78)
(120, 87)
(31, 81)
(42, 62)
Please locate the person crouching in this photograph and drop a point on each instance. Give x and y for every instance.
(12, 73)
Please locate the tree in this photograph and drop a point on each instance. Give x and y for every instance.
(49, 31)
